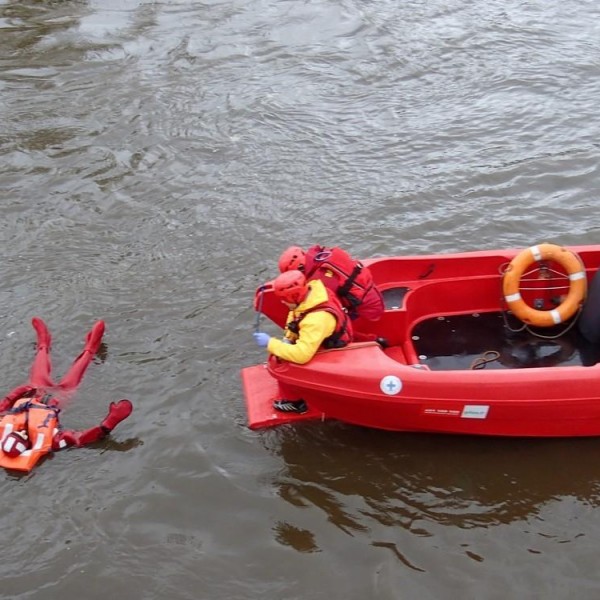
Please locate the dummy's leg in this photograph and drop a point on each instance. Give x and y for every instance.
(75, 373)
(116, 413)
(40, 369)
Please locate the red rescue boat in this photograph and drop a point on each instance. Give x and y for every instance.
(499, 343)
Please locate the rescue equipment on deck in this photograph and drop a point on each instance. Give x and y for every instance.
(569, 261)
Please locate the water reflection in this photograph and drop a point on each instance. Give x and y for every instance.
(359, 476)
(107, 445)
(29, 22)
(301, 540)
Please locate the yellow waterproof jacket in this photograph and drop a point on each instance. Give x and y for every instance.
(314, 328)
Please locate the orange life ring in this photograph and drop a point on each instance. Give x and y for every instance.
(570, 262)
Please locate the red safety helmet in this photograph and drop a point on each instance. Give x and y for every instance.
(15, 443)
(290, 287)
(291, 258)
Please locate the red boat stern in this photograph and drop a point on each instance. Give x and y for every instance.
(260, 390)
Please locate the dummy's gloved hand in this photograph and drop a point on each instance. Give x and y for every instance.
(117, 411)
(261, 338)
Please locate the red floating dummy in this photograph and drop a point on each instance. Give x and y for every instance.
(29, 424)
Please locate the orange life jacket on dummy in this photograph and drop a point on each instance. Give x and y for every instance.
(342, 334)
(355, 280)
(41, 424)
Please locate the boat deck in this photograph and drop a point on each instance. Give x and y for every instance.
(489, 341)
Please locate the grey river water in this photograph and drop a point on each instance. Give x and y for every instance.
(155, 158)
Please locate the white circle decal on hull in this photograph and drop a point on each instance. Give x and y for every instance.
(390, 385)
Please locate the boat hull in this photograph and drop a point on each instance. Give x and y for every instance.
(525, 403)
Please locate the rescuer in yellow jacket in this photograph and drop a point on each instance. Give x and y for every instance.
(315, 320)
